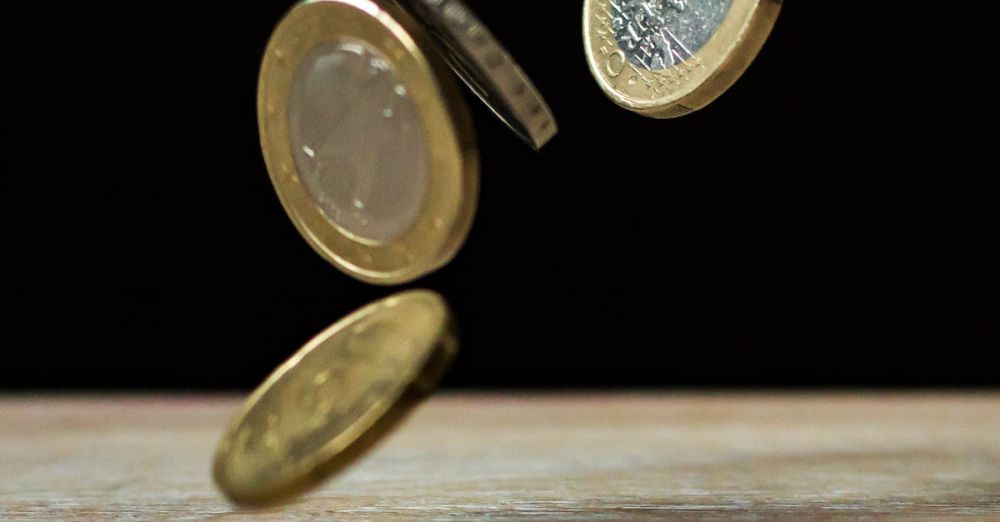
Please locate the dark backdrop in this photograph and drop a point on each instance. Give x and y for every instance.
(829, 221)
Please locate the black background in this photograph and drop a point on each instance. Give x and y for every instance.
(829, 221)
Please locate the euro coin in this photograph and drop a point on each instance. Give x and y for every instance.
(487, 68)
(367, 139)
(336, 397)
(667, 58)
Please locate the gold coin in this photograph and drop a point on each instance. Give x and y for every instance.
(667, 58)
(367, 139)
(340, 393)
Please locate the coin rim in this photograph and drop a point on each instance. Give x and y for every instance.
(725, 58)
(453, 188)
(367, 430)
(487, 68)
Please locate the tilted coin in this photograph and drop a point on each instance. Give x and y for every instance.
(367, 140)
(366, 137)
(336, 397)
(667, 58)
(487, 68)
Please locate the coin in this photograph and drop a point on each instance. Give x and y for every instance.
(367, 140)
(487, 68)
(341, 393)
(667, 58)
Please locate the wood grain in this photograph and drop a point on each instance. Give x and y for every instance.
(529, 456)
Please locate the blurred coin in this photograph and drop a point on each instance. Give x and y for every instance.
(667, 58)
(367, 139)
(487, 68)
(342, 392)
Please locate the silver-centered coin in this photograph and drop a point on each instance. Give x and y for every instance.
(667, 58)
(487, 68)
(657, 34)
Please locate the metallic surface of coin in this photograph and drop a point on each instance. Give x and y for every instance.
(487, 68)
(667, 58)
(367, 139)
(335, 398)
(374, 185)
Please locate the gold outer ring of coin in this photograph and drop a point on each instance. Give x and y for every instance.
(453, 187)
(683, 89)
(335, 398)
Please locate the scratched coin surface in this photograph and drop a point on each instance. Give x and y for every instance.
(334, 398)
(667, 58)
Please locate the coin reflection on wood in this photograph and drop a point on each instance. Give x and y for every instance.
(337, 396)
(667, 58)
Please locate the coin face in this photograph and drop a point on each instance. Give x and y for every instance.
(373, 183)
(367, 139)
(335, 397)
(667, 58)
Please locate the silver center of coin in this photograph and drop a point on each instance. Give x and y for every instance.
(357, 141)
(660, 34)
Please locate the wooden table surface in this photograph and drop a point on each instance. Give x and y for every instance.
(529, 456)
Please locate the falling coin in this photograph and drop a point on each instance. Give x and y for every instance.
(667, 58)
(487, 68)
(367, 138)
(341, 393)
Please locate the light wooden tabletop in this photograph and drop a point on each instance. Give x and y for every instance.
(527, 456)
